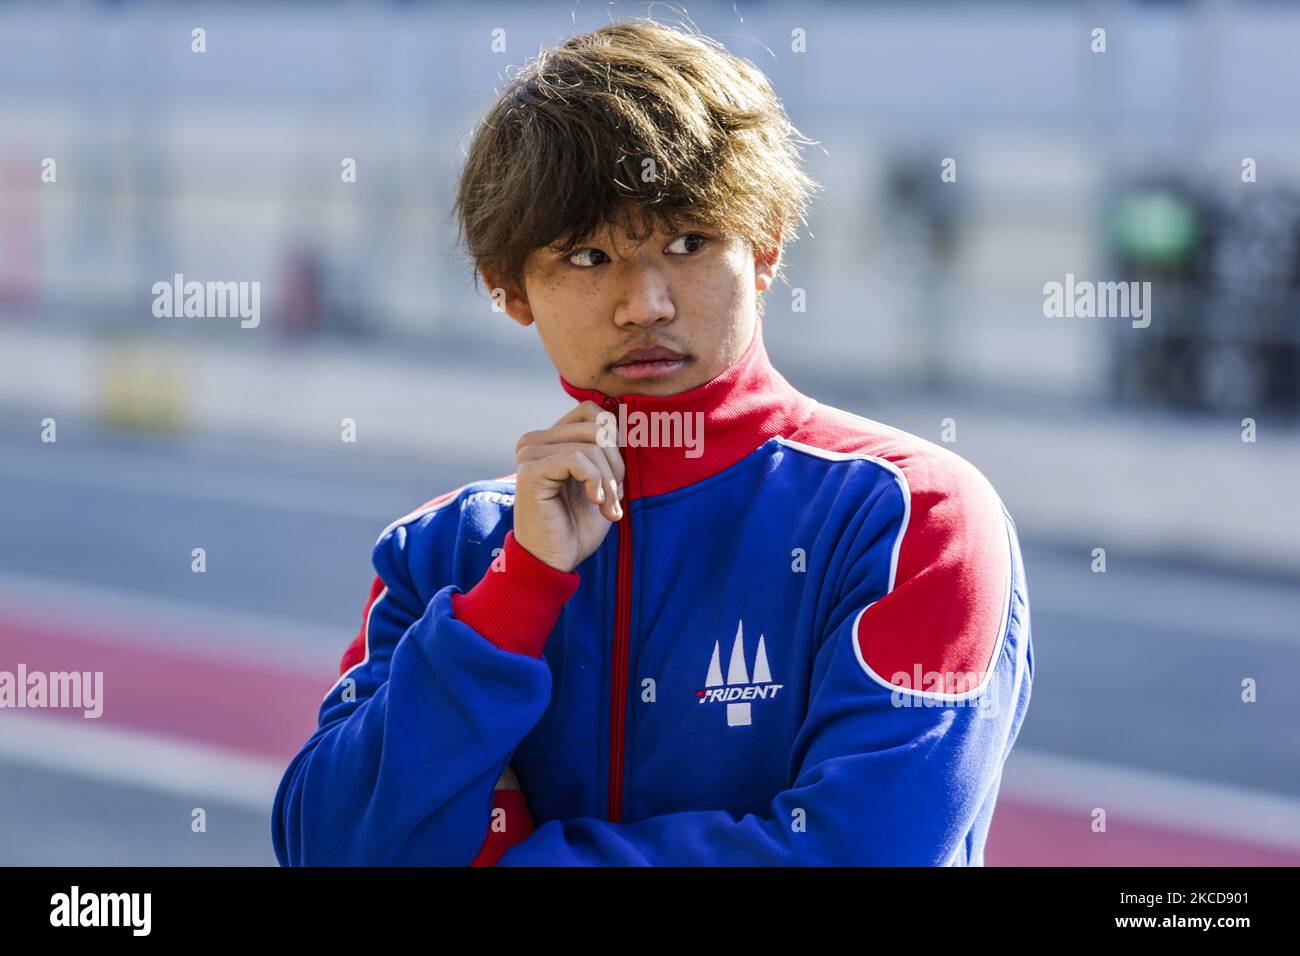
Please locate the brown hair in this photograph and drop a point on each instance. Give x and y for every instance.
(565, 148)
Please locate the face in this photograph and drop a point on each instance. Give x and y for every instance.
(692, 293)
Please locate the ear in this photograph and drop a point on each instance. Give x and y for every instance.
(509, 298)
(766, 264)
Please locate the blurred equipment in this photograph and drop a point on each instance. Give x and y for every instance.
(143, 387)
(1225, 280)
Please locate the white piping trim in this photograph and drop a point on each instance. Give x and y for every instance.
(889, 466)
(366, 659)
(418, 513)
(426, 509)
(365, 630)
(1022, 646)
(940, 695)
(901, 479)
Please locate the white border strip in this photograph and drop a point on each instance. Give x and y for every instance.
(97, 751)
(1078, 786)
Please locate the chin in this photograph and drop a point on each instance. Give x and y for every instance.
(680, 381)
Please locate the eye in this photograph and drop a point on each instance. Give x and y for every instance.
(676, 248)
(579, 258)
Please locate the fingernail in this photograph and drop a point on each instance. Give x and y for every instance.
(600, 493)
(620, 489)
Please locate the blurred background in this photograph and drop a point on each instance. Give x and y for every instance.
(1164, 150)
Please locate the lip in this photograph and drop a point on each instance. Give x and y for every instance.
(642, 370)
(654, 362)
(655, 353)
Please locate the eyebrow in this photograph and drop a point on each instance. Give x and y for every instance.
(686, 224)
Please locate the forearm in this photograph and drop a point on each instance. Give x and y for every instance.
(407, 774)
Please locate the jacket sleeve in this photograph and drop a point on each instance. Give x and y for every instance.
(413, 736)
(916, 697)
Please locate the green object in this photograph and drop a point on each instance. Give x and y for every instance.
(1154, 227)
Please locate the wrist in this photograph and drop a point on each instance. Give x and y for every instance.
(518, 600)
(537, 556)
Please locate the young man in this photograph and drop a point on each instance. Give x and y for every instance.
(708, 620)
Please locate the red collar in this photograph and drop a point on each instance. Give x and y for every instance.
(743, 407)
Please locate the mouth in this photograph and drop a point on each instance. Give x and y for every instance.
(646, 363)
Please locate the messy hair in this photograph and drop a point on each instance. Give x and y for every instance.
(636, 125)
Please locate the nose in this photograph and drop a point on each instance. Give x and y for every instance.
(645, 296)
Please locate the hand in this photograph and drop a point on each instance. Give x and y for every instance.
(507, 780)
(567, 489)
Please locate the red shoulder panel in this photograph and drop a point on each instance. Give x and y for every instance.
(939, 628)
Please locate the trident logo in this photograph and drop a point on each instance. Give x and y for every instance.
(739, 690)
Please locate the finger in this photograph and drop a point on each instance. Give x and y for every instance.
(538, 452)
(582, 412)
(583, 431)
(589, 411)
(580, 462)
(555, 471)
(611, 451)
(608, 498)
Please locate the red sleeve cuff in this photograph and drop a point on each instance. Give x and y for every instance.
(516, 608)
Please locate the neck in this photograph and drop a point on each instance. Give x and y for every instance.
(671, 441)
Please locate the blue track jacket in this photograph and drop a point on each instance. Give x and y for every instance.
(806, 642)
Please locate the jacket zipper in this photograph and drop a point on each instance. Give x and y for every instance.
(622, 638)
